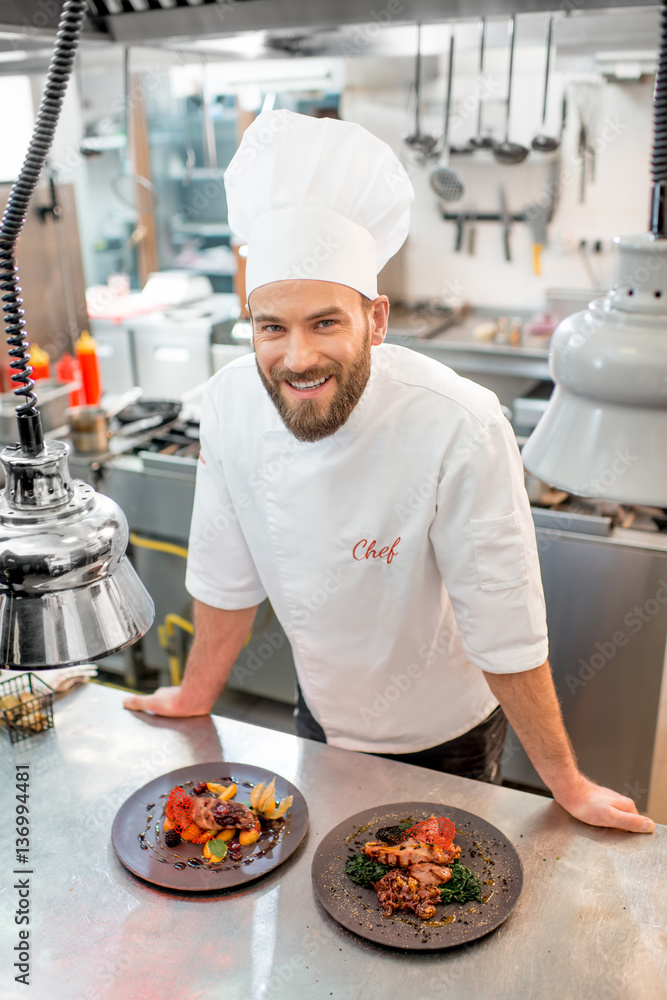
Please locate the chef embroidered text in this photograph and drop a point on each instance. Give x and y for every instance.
(387, 552)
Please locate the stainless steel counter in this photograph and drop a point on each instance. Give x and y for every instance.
(506, 370)
(590, 922)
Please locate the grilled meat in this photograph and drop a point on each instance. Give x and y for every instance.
(399, 890)
(211, 814)
(409, 852)
(428, 873)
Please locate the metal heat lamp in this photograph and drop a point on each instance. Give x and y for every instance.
(604, 431)
(68, 593)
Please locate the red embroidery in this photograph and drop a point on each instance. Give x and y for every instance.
(386, 552)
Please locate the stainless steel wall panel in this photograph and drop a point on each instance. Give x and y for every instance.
(159, 504)
(607, 617)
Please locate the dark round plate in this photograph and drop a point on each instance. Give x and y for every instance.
(139, 842)
(167, 409)
(484, 849)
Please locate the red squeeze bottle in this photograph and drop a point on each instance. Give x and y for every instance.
(90, 368)
(69, 370)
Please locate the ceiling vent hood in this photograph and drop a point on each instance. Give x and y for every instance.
(157, 22)
(148, 22)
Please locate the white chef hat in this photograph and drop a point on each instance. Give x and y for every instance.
(316, 198)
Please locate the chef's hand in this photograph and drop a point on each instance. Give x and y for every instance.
(165, 701)
(531, 706)
(218, 639)
(600, 806)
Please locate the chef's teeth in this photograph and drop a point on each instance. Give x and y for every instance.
(308, 385)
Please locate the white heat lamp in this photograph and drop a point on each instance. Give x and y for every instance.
(68, 593)
(604, 432)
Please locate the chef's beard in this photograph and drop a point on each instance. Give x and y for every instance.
(309, 419)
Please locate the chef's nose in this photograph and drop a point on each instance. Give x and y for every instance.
(302, 351)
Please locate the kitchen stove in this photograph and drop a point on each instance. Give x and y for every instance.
(177, 440)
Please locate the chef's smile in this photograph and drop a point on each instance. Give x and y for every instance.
(306, 389)
(312, 343)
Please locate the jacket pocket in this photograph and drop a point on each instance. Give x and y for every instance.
(500, 553)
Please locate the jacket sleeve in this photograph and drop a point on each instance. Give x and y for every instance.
(485, 546)
(220, 569)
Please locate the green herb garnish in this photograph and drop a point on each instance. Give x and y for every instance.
(218, 848)
(463, 887)
(365, 872)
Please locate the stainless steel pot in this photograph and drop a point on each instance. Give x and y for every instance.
(89, 426)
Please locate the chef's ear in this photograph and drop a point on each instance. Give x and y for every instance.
(248, 311)
(379, 317)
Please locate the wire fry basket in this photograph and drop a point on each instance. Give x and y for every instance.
(26, 706)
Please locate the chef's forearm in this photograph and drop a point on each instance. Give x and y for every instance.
(531, 705)
(219, 637)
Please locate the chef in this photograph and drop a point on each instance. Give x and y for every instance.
(374, 496)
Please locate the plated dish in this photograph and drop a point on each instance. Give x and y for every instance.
(191, 828)
(417, 910)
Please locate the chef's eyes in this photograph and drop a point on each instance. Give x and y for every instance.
(323, 324)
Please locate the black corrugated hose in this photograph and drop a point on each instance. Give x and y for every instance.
(69, 28)
(658, 223)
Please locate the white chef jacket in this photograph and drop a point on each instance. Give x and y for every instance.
(398, 554)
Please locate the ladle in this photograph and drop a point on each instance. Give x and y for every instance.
(422, 143)
(446, 182)
(546, 143)
(510, 152)
(480, 141)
